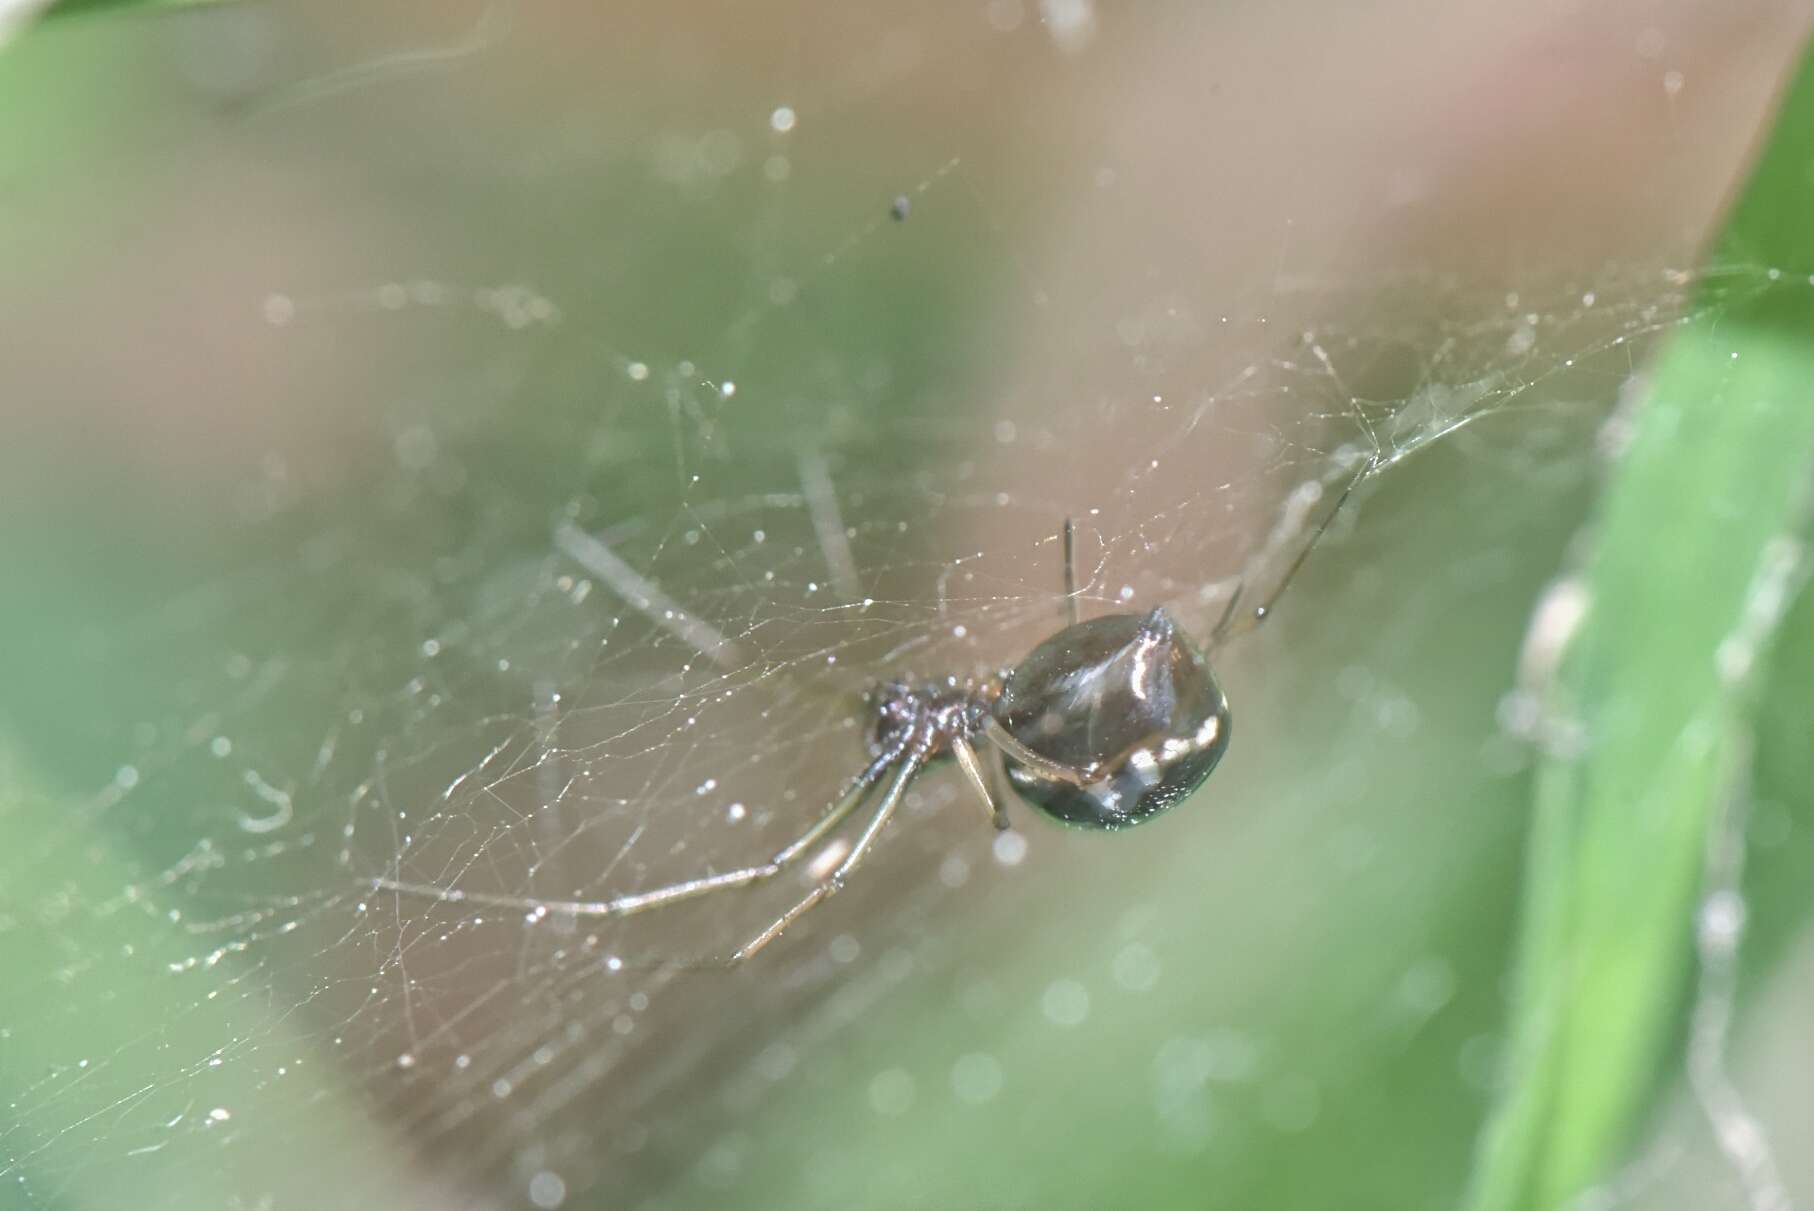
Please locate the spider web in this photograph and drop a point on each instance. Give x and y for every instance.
(582, 426)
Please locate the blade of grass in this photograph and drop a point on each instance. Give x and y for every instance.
(65, 8)
(18, 15)
(1689, 556)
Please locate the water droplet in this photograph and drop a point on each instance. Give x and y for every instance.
(1136, 967)
(1065, 1003)
(976, 1078)
(547, 1190)
(1010, 848)
(891, 1092)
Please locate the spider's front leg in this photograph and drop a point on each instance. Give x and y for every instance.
(671, 893)
(910, 767)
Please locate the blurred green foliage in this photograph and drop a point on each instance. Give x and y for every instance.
(1656, 700)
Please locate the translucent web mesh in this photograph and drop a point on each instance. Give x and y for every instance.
(634, 449)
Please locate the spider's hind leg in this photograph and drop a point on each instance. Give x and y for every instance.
(1070, 573)
(1231, 623)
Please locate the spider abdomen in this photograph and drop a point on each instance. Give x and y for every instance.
(1111, 721)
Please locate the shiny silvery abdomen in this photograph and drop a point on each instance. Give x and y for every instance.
(1112, 721)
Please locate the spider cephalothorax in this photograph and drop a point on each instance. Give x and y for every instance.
(934, 713)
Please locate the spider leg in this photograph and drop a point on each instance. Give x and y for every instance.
(911, 765)
(973, 770)
(1232, 624)
(1228, 613)
(996, 789)
(688, 889)
(1070, 574)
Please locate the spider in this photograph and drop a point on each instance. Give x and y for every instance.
(1106, 724)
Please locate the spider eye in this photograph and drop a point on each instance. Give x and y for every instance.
(1120, 718)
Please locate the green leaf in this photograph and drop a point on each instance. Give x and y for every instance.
(1653, 701)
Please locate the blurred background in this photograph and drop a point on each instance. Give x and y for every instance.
(339, 341)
